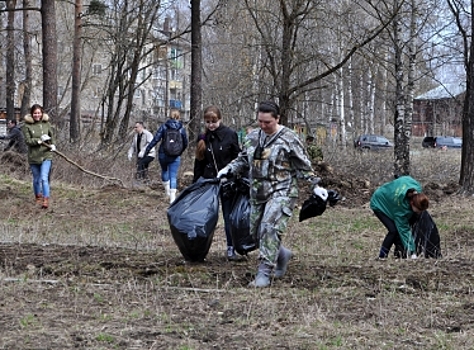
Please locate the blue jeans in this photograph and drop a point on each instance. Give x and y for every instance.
(41, 177)
(169, 169)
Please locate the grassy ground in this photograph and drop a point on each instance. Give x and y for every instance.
(100, 270)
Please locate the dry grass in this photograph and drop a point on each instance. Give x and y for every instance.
(99, 270)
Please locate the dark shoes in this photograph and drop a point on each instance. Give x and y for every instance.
(231, 256)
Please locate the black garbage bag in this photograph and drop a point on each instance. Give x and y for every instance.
(193, 218)
(426, 236)
(242, 240)
(316, 206)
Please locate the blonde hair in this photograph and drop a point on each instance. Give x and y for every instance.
(174, 114)
(210, 113)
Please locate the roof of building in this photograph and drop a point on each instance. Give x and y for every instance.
(443, 91)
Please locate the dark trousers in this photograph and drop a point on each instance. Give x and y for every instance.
(392, 237)
(142, 167)
(226, 203)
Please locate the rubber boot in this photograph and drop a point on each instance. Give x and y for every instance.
(262, 279)
(166, 184)
(39, 198)
(284, 256)
(172, 195)
(45, 203)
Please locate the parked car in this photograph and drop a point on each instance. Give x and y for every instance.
(429, 142)
(372, 142)
(442, 142)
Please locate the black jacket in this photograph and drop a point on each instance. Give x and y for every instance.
(225, 145)
(17, 141)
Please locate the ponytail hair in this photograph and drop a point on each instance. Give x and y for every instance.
(201, 147)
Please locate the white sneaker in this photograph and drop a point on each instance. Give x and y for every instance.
(413, 257)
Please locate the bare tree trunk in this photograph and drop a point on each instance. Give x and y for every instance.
(410, 89)
(75, 117)
(383, 119)
(50, 58)
(196, 70)
(26, 97)
(340, 107)
(10, 62)
(350, 96)
(371, 100)
(467, 160)
(399, 96)
(362, 112)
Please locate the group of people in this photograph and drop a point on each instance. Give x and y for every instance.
(272, 157)
(143, 145)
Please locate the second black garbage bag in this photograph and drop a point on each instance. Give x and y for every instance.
(193, 218)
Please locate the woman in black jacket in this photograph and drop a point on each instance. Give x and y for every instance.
(216, 148)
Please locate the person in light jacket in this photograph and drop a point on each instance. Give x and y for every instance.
(39, 138)
(141, 140)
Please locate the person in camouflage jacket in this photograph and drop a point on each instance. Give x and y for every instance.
(39, 138)
(315, 153)
(275, 158)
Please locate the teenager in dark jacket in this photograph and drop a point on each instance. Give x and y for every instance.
(16, 139)
(216, 148)
(169, 165)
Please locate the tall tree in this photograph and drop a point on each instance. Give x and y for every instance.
(285, 32)
(10, 61)
(75, 116)
(50, 58)
(132, 42)
(196, 70)
(28, 78)
(464, 19)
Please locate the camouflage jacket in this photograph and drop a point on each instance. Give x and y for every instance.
(274, 164)
(315, 153)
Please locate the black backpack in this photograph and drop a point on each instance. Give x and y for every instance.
(173, 142)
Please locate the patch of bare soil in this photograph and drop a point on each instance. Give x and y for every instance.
(134, 291)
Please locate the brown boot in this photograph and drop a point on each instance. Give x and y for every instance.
(39, 198)
(45, 203)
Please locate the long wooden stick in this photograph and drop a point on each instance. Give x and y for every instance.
(107, 178)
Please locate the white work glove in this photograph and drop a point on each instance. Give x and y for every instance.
(45, 138)
(224, 172)
(141, 154)
(53, 148)
(321, 193)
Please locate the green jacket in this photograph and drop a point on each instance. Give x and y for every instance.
(391, 200)
(315, 153)
(32, 131)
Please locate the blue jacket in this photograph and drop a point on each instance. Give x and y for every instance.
(172, 124)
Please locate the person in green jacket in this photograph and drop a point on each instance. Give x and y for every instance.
(39, 138)
(397, 204)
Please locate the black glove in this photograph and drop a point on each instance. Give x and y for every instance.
(333, 197)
